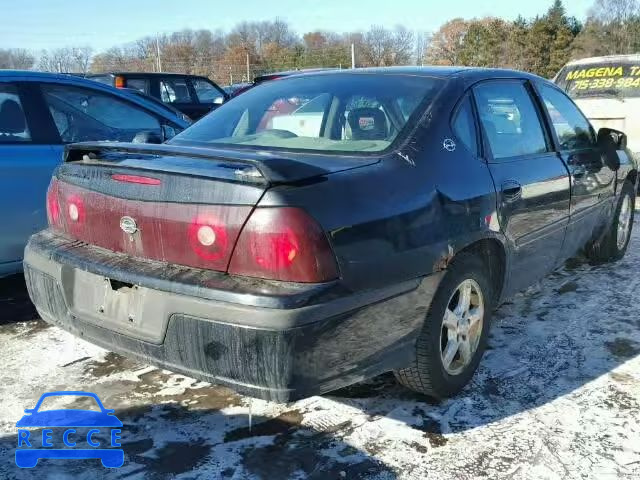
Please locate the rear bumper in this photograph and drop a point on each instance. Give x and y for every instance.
(307, 339)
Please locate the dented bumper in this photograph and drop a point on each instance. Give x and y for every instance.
(270, 340)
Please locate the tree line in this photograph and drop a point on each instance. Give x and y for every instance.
(541, 45)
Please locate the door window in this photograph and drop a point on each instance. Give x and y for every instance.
(572, 128)
(464, 125)
(174, 90)
(206, 92)
(13, 124)
(138, 84)
(84, 115)
(509, 119)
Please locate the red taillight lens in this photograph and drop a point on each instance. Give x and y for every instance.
(200, 236)
(53, 204)
(208, 237)
(75, 209)
(283, 244)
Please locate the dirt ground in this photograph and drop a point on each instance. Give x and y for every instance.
(557, 396)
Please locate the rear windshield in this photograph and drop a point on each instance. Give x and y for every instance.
(607, 79)
(329, 113)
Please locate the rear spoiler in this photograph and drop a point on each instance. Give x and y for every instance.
(247, 166)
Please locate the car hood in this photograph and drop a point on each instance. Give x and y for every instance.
(69, 418)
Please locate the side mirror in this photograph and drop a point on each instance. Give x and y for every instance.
(147, 136)
(29, 410)
(616, 137)
(610, 141)
(168, 132)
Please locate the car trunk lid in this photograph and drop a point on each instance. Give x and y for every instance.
(179, 205)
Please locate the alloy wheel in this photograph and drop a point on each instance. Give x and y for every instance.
(462, 327)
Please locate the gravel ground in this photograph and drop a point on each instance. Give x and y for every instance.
(557, 396)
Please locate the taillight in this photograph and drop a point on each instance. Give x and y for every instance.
(279, 243)
(208, 237)
(200, 236)
(53, 204)
(119, 82)
(74, 213)
(283, 244)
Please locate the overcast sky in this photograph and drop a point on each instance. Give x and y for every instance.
(39, 24)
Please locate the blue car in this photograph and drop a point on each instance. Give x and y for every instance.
(63, 447)
(39, 114)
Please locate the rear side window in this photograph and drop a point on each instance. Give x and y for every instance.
(572, 128)
(139, 84)
(509, 119)
(206, 92)
(175, 90)
(82, 114)
(464, 125)
(13, 123)
(346, 112)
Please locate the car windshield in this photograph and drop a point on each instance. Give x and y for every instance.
(606, 79)
(330, 113)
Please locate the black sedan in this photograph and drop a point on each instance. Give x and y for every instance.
(329, 227)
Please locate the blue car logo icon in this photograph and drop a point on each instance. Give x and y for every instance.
(66, 428)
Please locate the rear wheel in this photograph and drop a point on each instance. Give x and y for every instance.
(454, 335)
(614, 244)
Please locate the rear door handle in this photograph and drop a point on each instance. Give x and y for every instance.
(511, 190)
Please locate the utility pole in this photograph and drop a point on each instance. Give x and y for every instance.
(248, 69)
(158, 60)
(353, 56)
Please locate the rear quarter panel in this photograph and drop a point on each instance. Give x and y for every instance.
(407, 215)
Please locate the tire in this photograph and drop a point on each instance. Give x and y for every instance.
(428, 374)
(608, 248)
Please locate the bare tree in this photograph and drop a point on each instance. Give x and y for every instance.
(388, 47)
(403, 45)
(57, 60)
(446, 44)
(82, 58)
(422, 44)
(16, 58)
(378, 44)
(619, 20)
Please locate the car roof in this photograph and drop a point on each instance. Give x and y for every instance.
(608, 58)
(286, 73)
(145, 74)
(467, 73)
(68, 79)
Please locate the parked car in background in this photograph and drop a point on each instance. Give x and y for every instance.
(239, 88)
(39, 114)
(193, 95)
(166, 106)
(381, 238)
